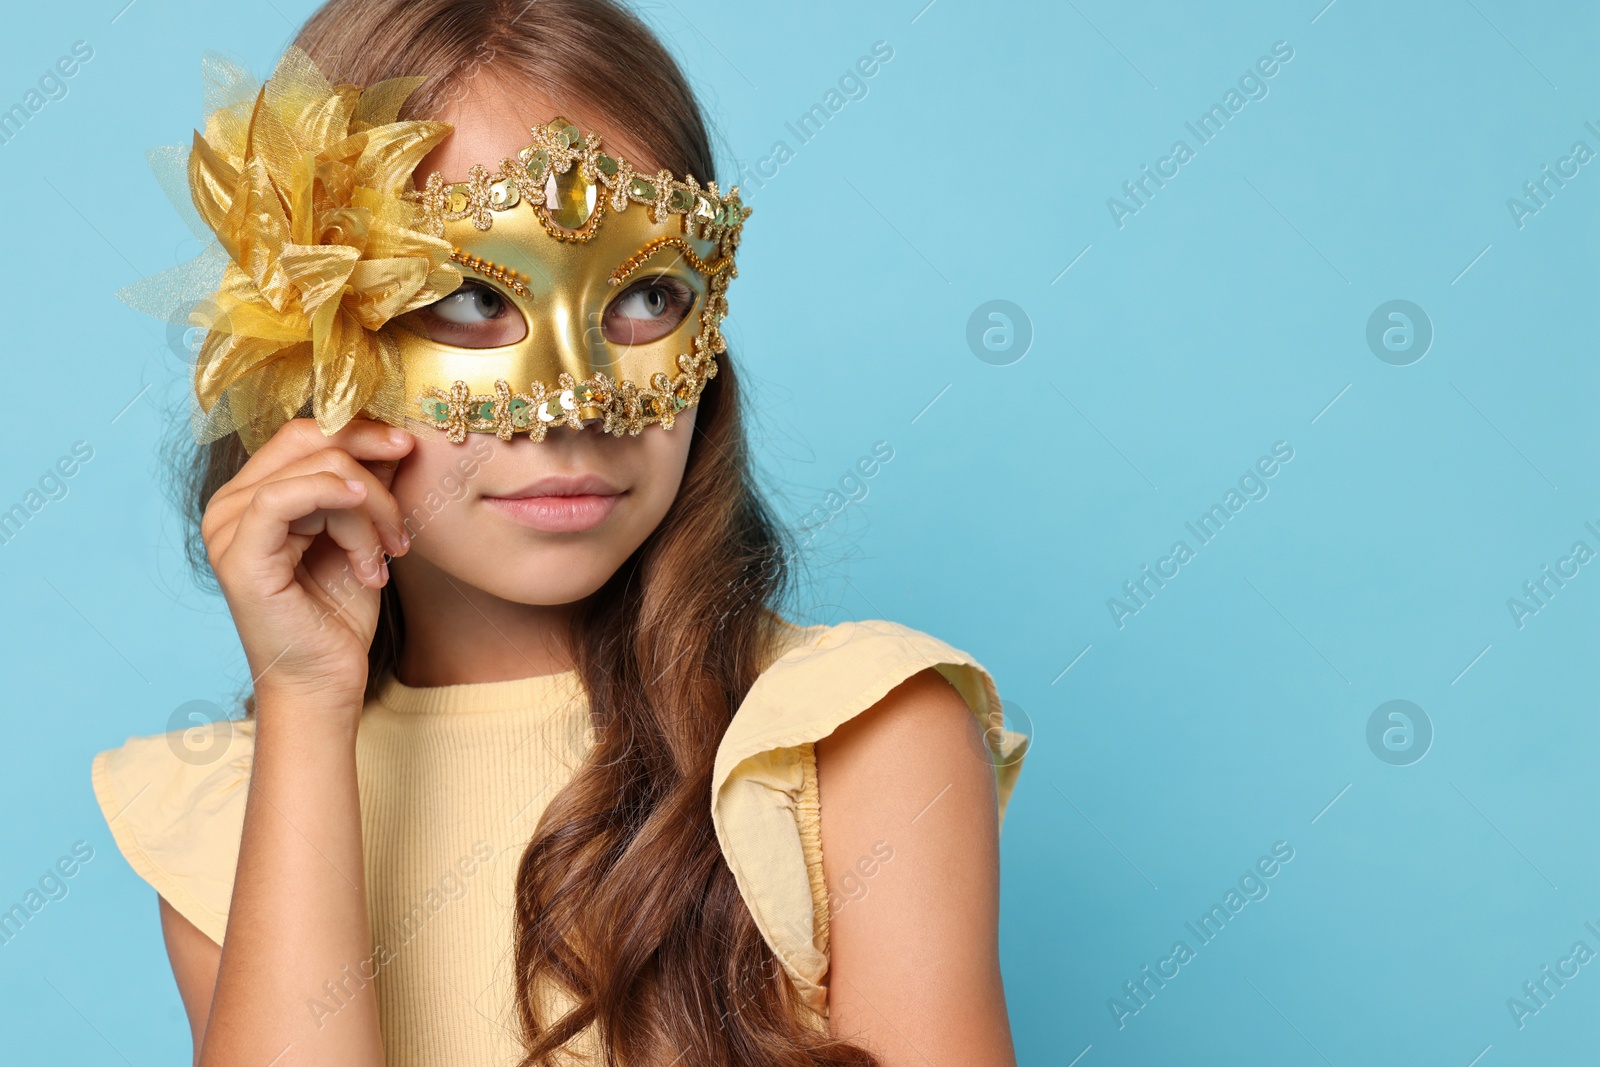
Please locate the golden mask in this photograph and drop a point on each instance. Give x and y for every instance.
(591, 291)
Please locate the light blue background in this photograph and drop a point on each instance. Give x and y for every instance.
(1226, 315)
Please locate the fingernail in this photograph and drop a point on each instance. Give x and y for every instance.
(397, 435)
(385, 570)
(355, 486)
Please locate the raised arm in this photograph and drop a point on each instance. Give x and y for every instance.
(297, 541)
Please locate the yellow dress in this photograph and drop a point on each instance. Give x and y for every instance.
(452, 781)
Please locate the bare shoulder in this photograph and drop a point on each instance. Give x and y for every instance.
(910, 855)
(920, 733)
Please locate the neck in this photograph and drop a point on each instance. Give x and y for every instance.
(458, 634)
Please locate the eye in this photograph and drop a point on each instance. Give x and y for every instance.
(647, 310)
(477, 315)
(470, 304)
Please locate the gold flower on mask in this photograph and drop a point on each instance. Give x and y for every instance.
(304, 184)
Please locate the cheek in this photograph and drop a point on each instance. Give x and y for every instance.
(669, 455)
(437, 472)
(657, 461)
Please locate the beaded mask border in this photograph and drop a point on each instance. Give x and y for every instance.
(556, 147)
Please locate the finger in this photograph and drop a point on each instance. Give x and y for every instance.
(262, 532)
(295, 441)
(300, 438)
(379, 504)
(383, 470)
(351, 532)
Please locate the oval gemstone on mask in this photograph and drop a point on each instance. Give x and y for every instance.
(570, 198)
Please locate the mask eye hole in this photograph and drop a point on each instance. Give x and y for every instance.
(647, 310)
(476, 315)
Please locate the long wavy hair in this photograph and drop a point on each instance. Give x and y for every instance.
(623, 896)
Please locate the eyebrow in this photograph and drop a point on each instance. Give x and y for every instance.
(635, 261)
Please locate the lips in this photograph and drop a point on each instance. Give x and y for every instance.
(560, 503)
(563, 485)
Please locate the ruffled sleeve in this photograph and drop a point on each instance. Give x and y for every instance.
(764, 790)
(175, 806)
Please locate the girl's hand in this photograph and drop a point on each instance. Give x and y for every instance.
(297, 540)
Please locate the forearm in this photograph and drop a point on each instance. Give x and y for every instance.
(298, 917)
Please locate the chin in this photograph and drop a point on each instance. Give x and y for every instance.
(549, 590)
(540, 571)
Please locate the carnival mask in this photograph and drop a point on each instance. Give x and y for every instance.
(592, 291)
(566, 287)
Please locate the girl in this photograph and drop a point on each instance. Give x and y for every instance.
(533, 771)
